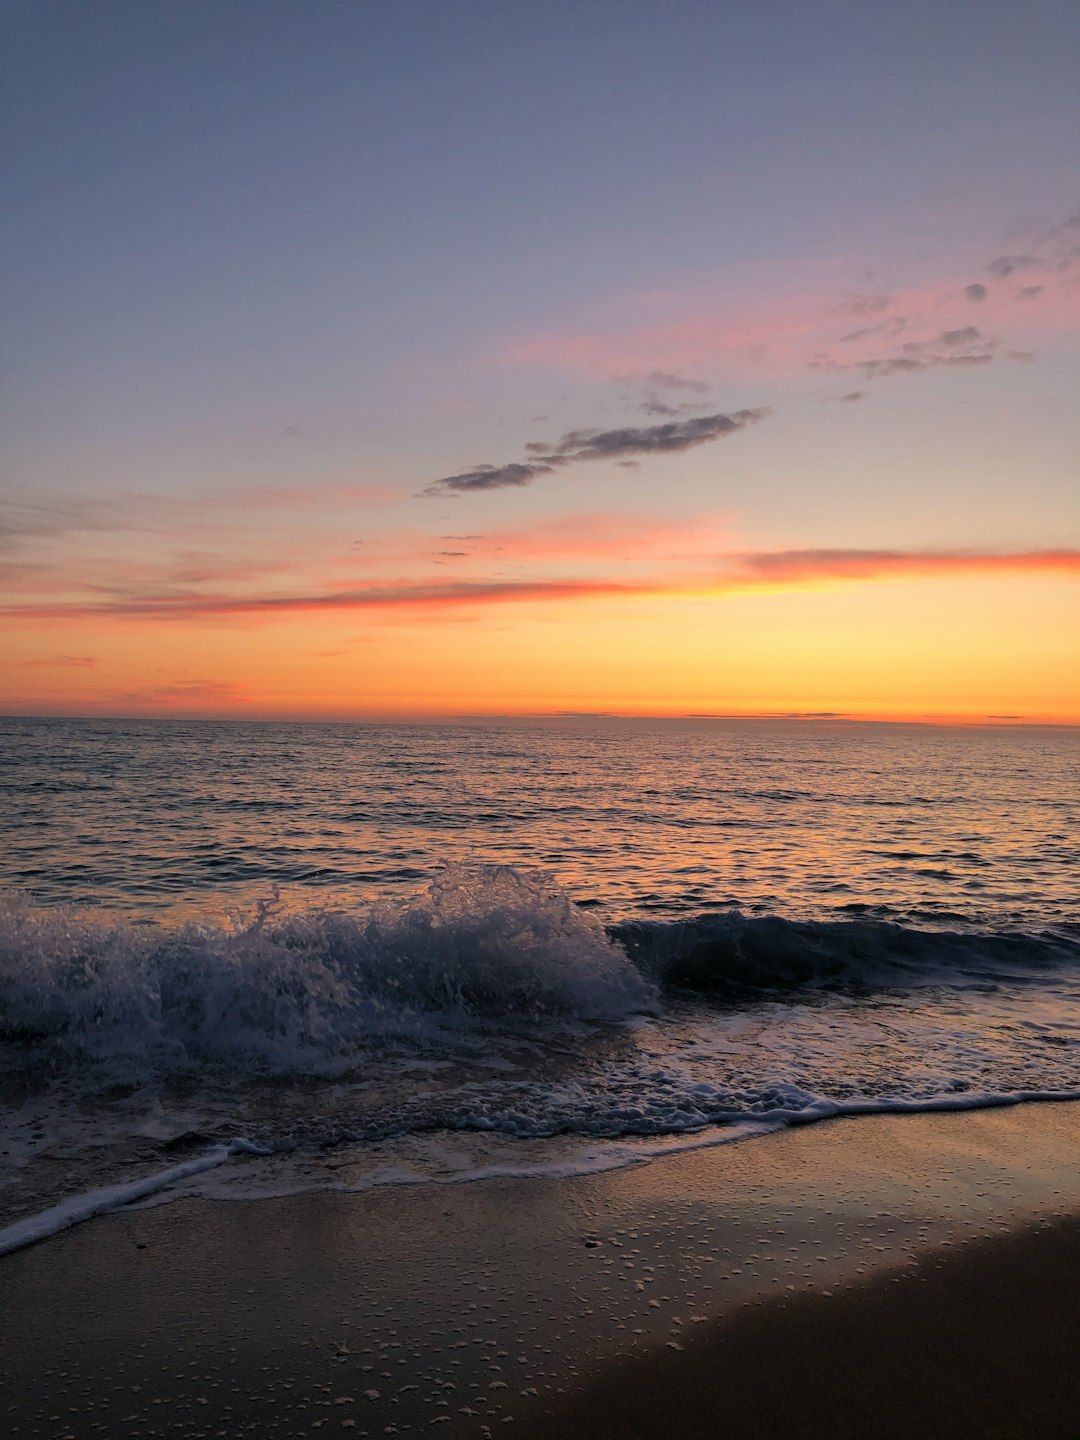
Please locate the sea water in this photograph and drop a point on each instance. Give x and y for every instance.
(242, 959)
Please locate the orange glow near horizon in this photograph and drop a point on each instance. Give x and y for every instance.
(967, 648)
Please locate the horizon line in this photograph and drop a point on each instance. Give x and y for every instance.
(569, 718)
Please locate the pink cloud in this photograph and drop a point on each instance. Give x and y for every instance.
(596, 536)
(761, 325)
(763, 334)
(816, 565)
(122, 574)
(732, 573)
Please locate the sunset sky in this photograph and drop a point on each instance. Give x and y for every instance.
(429, 359)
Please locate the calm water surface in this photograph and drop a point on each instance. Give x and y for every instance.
(929, 827)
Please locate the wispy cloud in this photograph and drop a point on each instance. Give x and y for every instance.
(668, 438)
(892, 326)
(75, 662)
(201, 512)
(666, 380)
(733, 573)
(404, 594)
(846, 564)
(862, 305)
(121, 573)
(489, 477)
(600, 538)
(182, 694)
(22, 520)
(658, 391)
(964, 346)
(1006, 265)
(780, 331)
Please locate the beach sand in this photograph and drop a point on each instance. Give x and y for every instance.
(981, 1343)
(913, 1275)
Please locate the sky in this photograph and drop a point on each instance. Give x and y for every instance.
(405, 361)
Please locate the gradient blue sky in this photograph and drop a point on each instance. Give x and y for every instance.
(273, 268)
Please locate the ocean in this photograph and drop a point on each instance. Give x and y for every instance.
(243, 959)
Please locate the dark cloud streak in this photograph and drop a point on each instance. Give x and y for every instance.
(658, 385)
(666, 380)
(670, 438)
(1006, 265)
(488, 477)
(863, 305)
(886, 327)
(916, 364)
(676, 435)
(963, 347)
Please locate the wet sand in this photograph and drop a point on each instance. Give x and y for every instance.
(982, 1343)
(870, 1277)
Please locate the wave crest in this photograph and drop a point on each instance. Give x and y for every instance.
(735, 955)
(288, 992)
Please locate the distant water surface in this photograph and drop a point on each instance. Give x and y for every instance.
(921, 826)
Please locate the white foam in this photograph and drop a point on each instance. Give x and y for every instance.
(589, 1160)
(928, 1105)
(289, 993)
(425, 1162)
(428, 1161)
(97, 1202)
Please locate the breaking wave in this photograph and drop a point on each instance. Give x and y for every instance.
(285, 992)
(295, 992)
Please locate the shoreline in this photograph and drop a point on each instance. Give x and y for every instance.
(29, 1226)
(514, 1298)
(166, 1184)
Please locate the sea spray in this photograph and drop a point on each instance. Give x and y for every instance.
(293, 991)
